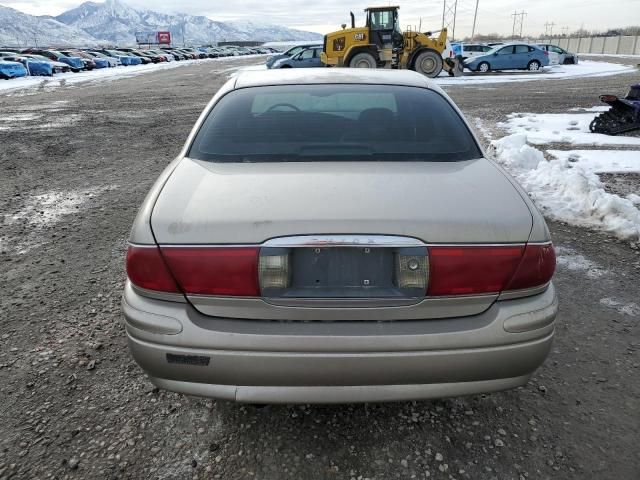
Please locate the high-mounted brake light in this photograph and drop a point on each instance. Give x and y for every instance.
(146, 269)
(224, 271)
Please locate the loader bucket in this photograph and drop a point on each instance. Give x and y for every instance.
(454, 66)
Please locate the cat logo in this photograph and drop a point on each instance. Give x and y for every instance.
(359, 37)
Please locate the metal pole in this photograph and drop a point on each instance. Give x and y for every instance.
(513, 30)
(455, 14)
(475, 16)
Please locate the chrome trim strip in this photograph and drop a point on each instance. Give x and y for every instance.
(344, 241)
(387, 241)
(167, 296)
(526, 292)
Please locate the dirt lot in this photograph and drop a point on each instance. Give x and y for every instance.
(75, 164)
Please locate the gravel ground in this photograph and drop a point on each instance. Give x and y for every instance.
(75, 165)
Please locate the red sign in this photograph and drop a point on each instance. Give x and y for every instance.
(164, 38)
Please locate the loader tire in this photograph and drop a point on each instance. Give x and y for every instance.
(428, 63)
(363, 60)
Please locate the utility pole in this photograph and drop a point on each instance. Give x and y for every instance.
(548, 29)
(515, 16)
(475, 16)
(449, 13)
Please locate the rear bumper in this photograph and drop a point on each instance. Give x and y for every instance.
(338, 362)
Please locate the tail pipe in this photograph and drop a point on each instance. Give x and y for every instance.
(353, 20)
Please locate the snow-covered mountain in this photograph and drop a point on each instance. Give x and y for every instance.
(117, 22)
(114, 22)
(20, 30)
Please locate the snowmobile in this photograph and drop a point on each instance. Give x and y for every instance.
(623, 116)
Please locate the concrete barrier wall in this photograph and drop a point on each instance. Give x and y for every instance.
(573, 44)
(611, 45)
(627, 45)
(622, 45)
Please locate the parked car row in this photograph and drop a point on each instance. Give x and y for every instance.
(47, 62)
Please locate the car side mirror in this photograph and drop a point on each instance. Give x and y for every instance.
(495, 54)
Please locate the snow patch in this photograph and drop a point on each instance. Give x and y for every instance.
(46, 209)
(602, 161)
(631, 309)
(34, 121)
(567, 191)
(569, 259)
(544, 128)
(583, 69)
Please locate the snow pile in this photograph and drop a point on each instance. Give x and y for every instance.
(543, 128)
(602, 161)
(567, 191)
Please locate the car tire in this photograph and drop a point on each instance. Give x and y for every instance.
(363, 60)
(484, 67)
(428, 63)
(285, 66)
(533, 66)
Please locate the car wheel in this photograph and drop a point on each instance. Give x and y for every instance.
(533, 66)
(285, 66)
(484, 67)
(363, 60)
(428, 63)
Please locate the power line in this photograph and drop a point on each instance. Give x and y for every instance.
(548, 29)
(475, 16)
(449, 13)
(515, 16)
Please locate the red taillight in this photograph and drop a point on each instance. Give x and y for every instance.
(536, 268)
(230, 271)
(471, 270)
(545, 52)
(146, 269)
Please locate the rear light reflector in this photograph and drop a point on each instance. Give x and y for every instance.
(536, 268)
(225, 271)
(146, 269)
(471, 270)
(274, 271)
(412, 271)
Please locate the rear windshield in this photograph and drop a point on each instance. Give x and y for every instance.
(333, 123)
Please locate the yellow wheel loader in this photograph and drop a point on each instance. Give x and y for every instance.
(381, 44)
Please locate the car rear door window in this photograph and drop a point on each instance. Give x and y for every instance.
(522, 49)
(333, 123)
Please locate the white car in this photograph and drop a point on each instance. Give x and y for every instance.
(474, 49)
(557, 55)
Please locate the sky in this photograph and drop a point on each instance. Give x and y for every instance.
(327, 15)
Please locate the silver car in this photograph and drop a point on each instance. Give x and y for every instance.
(337, 236)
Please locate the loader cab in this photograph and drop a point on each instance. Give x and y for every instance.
(384, 27)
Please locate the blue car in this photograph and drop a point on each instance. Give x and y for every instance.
(34, 67)
(514, 56)
(307, 58)
(75, 63)
(12, 70)
(125, 60)
(289, 53)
